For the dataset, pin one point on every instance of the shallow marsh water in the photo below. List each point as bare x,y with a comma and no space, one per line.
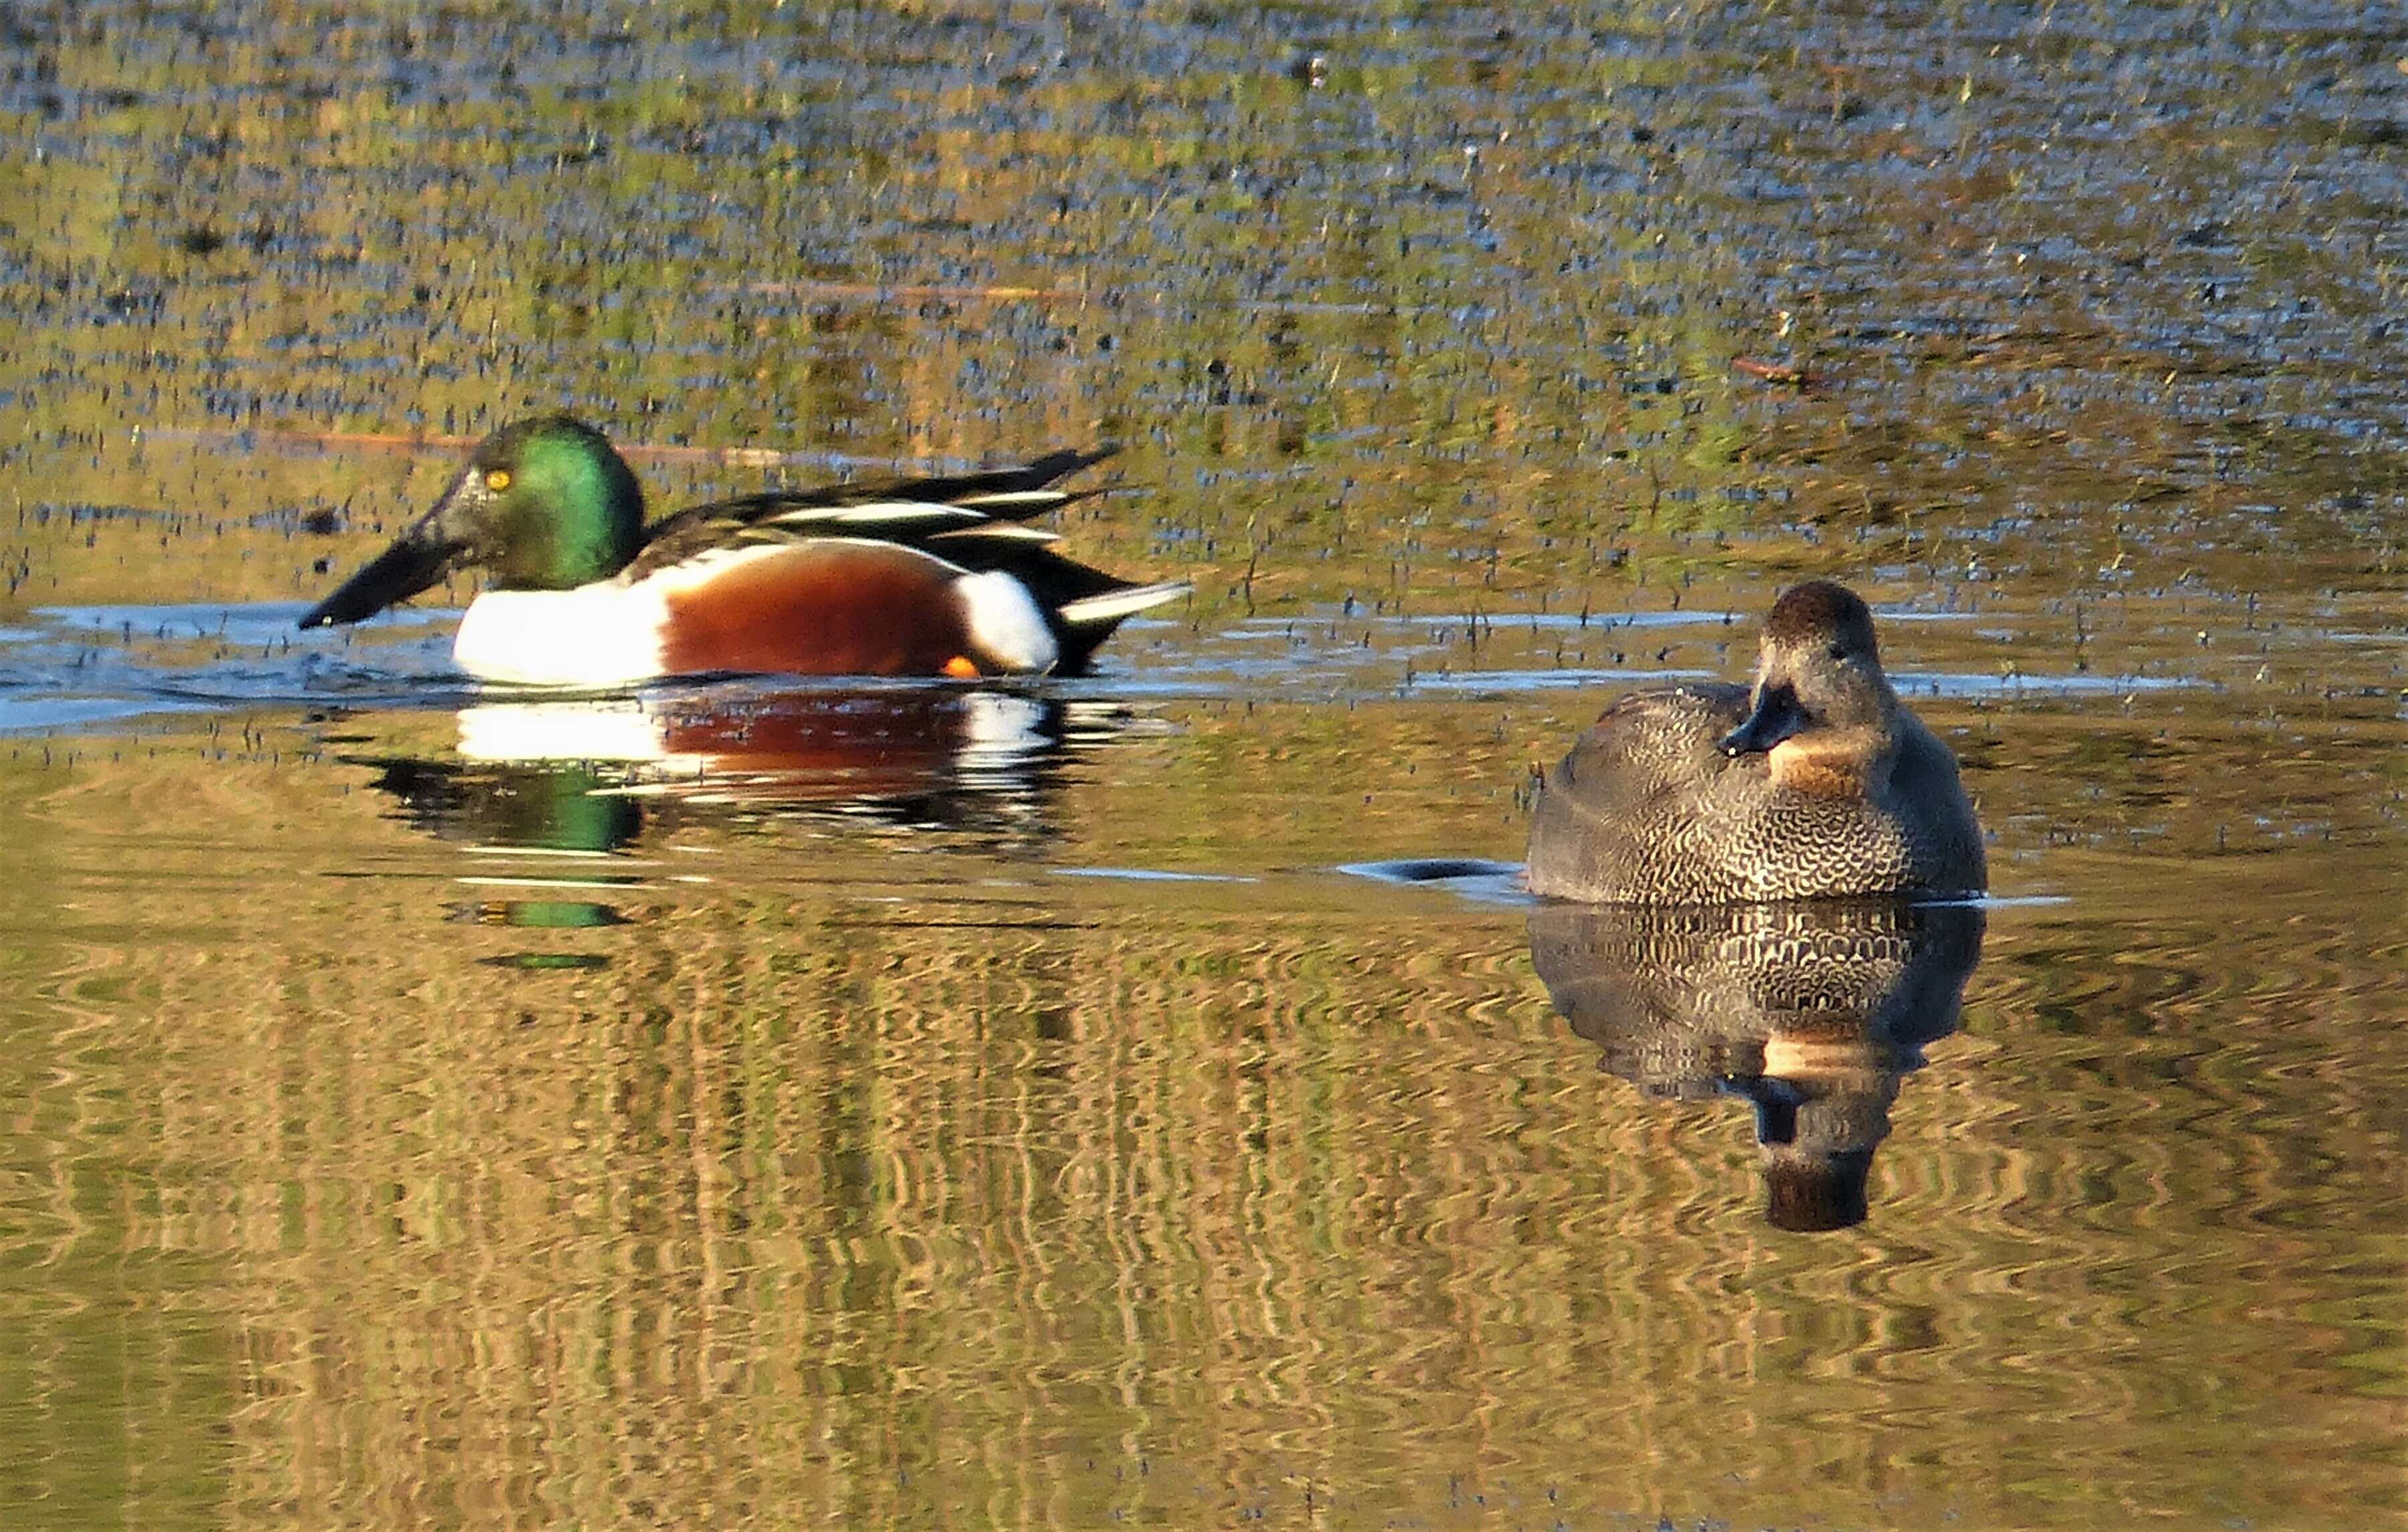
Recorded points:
761,1104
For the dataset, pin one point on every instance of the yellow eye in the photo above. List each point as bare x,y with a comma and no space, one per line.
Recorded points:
497,480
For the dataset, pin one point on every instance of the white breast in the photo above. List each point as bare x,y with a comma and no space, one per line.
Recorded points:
606,634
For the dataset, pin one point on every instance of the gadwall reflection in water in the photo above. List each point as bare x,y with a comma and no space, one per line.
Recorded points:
1813,1012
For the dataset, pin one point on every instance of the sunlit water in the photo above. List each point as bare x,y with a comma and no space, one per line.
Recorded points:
1149,1098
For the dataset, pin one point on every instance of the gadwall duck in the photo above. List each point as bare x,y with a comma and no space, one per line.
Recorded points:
1814,781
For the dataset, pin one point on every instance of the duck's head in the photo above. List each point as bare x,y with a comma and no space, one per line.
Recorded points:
1818,680
543,505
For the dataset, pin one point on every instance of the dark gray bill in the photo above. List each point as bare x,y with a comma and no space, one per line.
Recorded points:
415,561
1777,716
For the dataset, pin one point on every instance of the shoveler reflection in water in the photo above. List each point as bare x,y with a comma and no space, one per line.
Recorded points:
900,577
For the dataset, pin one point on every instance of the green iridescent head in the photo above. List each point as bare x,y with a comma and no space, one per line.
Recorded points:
543,505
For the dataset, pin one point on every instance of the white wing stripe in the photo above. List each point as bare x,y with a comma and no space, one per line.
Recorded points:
879,513
1114,605
1001,531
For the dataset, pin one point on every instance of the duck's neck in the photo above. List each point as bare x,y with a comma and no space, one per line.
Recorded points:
1846,762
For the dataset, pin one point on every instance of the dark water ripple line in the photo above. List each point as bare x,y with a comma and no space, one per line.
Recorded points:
146,662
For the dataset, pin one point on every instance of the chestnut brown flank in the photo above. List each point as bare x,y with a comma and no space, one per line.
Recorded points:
822,609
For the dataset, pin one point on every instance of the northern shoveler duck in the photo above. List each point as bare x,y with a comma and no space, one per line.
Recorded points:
1813,781
902,576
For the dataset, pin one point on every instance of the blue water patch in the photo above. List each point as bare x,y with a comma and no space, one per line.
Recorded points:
1359,619
82,667
1569,678
254,623
2083,684
1473,878
1149,875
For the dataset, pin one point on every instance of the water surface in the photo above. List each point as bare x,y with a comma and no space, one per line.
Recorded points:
761,1103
